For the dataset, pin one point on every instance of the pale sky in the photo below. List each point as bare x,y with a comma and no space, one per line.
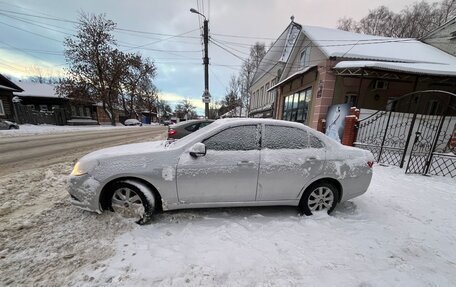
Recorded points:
28,42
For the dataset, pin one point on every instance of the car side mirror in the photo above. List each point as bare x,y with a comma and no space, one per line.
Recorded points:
197,150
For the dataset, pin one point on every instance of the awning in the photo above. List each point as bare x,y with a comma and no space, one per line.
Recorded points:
292,77
411,68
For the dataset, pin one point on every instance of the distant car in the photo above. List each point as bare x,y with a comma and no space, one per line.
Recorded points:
182,129
132,122
7,125
232,162
167,123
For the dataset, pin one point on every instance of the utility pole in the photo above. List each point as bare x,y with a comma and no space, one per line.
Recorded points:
206,93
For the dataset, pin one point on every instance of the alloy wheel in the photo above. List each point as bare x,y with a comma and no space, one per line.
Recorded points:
127,203
320,198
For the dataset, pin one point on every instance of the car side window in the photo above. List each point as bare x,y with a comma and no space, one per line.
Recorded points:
202,125
192,128
235,138
280,137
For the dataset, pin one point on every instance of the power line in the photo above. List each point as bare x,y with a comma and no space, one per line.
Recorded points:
36,34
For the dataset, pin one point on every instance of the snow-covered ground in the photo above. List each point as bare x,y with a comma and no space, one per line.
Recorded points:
28,129
402,232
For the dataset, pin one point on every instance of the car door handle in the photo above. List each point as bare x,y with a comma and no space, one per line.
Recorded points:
246,163
312,158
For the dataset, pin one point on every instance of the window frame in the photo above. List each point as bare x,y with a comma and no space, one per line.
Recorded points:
2,109
304,58
292,107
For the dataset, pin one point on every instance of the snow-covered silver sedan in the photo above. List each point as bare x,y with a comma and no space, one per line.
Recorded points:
232,162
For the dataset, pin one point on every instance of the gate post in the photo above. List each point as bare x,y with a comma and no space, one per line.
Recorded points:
434,144
350,127
412,123
384,137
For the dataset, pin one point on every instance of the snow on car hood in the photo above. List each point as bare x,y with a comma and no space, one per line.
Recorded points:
129,149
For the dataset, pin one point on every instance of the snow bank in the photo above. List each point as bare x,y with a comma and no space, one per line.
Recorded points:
28,129
400,233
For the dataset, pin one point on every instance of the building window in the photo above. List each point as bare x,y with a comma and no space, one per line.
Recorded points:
267,101
296,106
305,58
352,99
262,97
2,110
380,85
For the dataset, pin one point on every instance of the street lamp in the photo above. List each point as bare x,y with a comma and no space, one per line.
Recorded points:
206,94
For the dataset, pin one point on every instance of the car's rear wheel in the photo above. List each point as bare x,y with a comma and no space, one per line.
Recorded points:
319,197
133,200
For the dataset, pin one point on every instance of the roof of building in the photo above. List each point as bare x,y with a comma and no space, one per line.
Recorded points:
412,68
8,85
343,44
280,50
37,90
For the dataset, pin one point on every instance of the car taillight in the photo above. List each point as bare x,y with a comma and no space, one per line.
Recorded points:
171,132
370,164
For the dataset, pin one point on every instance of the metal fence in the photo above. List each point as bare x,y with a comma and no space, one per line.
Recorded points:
418,129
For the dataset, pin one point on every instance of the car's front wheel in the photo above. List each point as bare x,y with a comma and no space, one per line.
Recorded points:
318,197
133,200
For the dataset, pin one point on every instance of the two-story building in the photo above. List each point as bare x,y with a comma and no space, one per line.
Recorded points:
329,66
269,72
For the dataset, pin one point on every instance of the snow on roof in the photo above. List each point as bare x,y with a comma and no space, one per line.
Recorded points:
37,90
338,43
415,68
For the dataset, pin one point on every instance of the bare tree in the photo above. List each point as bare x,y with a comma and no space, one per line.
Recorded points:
347,24
248,70
149,100
95,63
140,73
414,21
231,100
185,109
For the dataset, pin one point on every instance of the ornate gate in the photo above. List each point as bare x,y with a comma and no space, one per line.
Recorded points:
418,128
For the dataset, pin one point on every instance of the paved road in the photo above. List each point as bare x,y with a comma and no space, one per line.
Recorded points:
26,152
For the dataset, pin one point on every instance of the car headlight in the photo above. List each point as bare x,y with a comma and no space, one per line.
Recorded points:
81,168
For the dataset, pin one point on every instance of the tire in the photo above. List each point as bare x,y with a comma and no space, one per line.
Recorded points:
134,200
319,196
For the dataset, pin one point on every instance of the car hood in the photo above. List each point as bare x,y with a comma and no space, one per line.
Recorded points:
126,150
